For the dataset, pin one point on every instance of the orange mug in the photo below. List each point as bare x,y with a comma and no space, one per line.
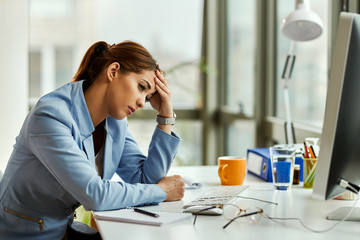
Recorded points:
232,170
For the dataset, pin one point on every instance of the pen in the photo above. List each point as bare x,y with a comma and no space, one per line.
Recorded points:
312,151
146,212
306,154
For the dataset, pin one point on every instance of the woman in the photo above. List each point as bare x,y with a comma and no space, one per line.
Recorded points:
77,137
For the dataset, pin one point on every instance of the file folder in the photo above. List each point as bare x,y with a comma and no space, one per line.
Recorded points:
258,163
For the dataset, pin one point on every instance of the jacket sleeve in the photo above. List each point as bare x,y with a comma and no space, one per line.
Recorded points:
51,139
135,167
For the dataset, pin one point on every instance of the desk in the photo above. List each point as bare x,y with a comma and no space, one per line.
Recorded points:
297,202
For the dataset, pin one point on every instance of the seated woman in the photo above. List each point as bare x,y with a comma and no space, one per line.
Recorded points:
75,139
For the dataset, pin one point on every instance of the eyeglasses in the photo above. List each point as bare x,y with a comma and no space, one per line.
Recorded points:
233,212
252,214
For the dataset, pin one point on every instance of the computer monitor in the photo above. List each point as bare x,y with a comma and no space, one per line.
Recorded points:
339,156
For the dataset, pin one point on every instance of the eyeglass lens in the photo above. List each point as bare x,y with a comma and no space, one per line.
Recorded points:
232,211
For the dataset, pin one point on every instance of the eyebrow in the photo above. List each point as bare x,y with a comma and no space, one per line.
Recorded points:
147,82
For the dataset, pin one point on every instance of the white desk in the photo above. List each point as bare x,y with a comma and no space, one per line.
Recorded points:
297,202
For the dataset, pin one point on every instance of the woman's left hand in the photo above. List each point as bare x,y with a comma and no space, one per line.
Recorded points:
161,100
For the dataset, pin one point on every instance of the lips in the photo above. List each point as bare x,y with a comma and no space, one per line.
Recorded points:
131,110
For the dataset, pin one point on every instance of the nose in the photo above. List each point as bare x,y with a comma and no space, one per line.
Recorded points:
141,102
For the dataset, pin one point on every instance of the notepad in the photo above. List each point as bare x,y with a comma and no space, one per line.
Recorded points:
130,216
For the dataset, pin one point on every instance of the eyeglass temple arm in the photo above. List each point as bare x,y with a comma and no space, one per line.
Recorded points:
205,209
258,200
240,216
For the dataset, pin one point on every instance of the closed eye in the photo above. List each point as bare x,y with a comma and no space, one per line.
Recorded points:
141,87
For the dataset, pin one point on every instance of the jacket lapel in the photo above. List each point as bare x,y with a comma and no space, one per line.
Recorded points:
83,119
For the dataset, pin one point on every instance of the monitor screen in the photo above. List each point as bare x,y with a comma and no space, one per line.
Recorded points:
339,156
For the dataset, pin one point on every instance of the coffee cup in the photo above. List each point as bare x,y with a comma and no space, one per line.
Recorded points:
232,170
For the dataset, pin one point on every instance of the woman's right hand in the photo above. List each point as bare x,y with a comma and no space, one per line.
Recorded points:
161,99
173,186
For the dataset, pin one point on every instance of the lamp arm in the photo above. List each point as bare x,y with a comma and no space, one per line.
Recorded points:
289,64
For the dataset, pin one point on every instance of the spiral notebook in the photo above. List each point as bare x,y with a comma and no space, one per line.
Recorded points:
130,216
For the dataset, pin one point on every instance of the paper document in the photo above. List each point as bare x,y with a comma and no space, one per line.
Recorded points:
130,216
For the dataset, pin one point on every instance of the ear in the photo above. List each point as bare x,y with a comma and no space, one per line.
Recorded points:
112,71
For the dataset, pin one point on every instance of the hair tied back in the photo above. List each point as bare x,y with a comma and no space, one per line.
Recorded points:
99,49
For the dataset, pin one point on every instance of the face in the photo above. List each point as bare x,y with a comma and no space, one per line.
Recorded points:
127,93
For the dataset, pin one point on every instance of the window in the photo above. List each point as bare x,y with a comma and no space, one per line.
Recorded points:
63,65
241,26
189,152
34,76
240,74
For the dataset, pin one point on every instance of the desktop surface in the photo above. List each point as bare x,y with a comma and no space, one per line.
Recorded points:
297,202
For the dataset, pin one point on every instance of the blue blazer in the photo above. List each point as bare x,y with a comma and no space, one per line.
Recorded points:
52,168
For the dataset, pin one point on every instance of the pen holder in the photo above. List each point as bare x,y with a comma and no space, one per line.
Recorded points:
309,168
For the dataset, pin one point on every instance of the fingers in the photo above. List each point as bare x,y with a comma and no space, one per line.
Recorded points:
160,76
173,186
162,88
159,69
161,85
162,103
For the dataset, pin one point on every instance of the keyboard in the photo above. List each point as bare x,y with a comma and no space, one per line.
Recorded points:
217,196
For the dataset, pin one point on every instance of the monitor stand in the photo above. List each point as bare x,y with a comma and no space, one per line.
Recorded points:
340,213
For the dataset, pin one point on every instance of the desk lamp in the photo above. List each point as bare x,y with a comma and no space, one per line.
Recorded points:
301,25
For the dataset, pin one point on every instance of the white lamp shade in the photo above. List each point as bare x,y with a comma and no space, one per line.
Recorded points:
302,24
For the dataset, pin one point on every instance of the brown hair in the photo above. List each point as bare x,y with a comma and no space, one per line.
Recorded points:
131,56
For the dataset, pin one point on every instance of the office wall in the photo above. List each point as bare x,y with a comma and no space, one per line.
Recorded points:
13,73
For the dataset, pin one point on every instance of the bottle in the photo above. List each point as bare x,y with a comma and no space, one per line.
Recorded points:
296,179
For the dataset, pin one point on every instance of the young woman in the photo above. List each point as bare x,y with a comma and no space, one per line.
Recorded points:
77,137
